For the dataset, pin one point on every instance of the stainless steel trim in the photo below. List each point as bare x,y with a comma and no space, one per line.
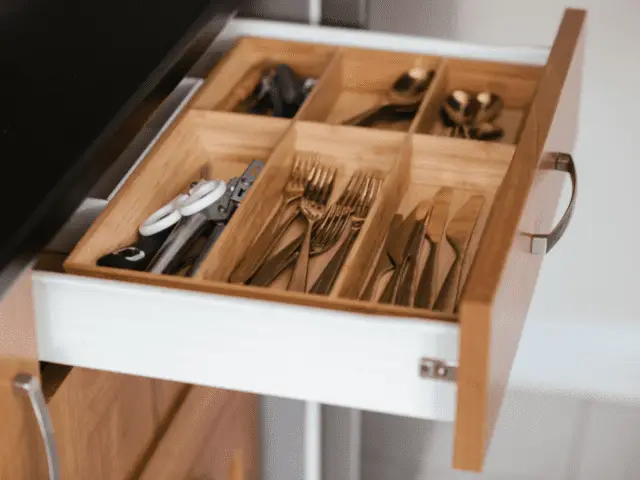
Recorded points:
30,386
542,243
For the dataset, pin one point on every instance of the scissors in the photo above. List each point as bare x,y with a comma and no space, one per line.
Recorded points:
155,230
198,218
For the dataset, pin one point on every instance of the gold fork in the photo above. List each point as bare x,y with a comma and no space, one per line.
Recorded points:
294,189
324,236
313,205
366,197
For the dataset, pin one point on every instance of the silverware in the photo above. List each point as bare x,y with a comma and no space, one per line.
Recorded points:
470,115
366,196
384,264
313,205
459,232
325,236
398,249
403,99
433,233
404,296
303,167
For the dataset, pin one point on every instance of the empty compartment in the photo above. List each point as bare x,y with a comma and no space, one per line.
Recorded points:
348,150
361,80
468,169
514,85
231,86
201,145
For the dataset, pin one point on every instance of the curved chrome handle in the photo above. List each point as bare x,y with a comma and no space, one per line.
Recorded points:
29,385
542,243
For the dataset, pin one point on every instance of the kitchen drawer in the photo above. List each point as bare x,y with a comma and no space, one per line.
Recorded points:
339,350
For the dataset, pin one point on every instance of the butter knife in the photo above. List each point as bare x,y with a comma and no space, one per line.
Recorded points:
407,277
459,233
399,249
384,263
433,233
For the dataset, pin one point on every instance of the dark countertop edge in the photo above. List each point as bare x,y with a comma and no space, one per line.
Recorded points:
67,195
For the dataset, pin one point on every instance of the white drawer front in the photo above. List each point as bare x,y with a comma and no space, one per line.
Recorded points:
366,362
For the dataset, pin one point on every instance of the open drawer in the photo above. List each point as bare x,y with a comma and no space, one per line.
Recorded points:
338,349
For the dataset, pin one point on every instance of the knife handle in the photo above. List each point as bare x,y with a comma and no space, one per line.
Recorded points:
273,267
403,297
263,245
382,267
389,293
425,284
445,302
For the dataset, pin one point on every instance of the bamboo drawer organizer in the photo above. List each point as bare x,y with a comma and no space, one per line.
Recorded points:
412,157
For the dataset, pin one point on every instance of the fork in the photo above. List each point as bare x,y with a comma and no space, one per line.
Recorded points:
313,205
366,197
324,236
302,169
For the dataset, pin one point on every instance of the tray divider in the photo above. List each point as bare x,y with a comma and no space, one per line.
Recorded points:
356,269
430,106
325,94
254,213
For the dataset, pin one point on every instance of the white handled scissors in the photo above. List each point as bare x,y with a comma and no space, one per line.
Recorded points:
200,196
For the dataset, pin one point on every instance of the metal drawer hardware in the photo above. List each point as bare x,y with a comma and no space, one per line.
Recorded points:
29,385
543,243
438,369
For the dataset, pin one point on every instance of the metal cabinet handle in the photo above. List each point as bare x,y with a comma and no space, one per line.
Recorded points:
543,243
29,386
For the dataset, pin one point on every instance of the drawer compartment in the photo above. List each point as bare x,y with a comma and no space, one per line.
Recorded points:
236,77
345,351
360,79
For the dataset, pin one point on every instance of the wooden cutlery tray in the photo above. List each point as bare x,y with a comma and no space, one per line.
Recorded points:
412,157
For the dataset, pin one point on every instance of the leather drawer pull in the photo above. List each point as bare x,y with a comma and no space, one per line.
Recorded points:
29,386
543,243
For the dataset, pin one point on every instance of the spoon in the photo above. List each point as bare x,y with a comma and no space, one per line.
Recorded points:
404,97
485,131
458,110
490,106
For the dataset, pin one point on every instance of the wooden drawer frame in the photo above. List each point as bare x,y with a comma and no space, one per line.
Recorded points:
380,374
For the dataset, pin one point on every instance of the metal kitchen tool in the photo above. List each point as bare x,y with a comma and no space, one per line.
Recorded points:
384,263
313,206
403,100
404,295
459,233
192,226
433,233
400,248
257,254
366,196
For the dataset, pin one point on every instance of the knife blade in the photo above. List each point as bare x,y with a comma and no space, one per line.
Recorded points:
401,247
433,232
384,263
459,233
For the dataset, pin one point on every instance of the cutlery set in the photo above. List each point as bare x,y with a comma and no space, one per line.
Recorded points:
176,239
280,92
306,196
425,227
402,101
471,115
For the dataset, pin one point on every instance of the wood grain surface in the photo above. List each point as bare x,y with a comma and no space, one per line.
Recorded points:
503,277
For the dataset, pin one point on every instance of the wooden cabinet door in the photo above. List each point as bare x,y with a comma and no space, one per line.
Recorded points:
22,455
